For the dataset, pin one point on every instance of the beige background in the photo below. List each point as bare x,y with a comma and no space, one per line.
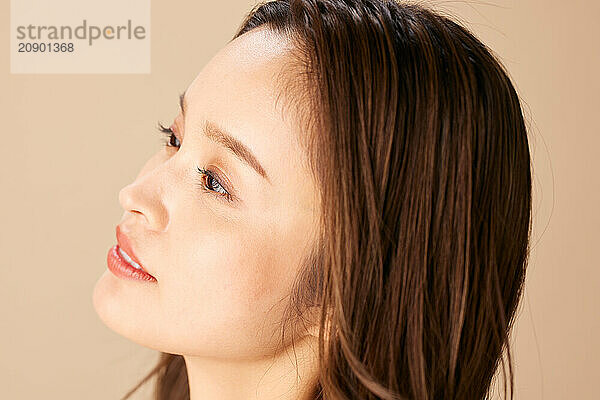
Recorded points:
70,142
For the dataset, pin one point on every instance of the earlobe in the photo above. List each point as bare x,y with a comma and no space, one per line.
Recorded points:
313,330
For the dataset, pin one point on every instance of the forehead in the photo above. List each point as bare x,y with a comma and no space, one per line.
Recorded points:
240,89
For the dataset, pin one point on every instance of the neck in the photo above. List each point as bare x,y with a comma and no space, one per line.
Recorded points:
278,376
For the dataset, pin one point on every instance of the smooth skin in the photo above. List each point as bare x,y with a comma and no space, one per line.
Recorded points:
224,269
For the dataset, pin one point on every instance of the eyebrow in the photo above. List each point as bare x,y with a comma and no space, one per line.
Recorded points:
212,131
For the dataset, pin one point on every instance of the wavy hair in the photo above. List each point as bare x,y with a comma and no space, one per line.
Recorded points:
417,140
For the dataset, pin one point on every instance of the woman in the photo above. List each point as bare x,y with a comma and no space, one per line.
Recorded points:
341,211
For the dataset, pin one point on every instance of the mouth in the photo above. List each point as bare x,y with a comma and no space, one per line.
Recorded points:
130,260
122,266
124,251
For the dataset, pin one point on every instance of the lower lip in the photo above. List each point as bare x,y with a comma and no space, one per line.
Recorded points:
122,269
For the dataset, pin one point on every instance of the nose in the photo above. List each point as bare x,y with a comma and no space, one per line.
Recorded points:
144,198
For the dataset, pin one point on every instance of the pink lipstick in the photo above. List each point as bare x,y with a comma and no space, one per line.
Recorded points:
123,262
122,268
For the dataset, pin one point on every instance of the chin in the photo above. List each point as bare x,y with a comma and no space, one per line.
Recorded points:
118,305
106,301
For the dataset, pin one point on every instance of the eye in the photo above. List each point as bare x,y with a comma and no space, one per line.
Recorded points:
209,180
210,183
171,139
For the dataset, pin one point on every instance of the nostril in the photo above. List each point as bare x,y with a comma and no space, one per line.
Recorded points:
142,215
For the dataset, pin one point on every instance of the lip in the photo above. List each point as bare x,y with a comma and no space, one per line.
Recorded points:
122,269
125,244
120,266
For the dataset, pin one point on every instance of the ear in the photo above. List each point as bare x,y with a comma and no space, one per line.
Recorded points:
313,330
310,321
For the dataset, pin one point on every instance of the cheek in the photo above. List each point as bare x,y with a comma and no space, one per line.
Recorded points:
257,275
249,277
225,288
241,262
239,267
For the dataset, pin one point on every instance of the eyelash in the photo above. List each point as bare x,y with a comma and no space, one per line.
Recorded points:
205,174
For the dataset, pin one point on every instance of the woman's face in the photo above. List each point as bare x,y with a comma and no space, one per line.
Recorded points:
223,265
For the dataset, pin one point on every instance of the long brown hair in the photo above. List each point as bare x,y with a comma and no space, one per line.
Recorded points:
416,138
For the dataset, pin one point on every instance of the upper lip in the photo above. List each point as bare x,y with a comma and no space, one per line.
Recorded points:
125,244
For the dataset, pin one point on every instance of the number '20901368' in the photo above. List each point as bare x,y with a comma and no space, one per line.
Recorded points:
26,47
